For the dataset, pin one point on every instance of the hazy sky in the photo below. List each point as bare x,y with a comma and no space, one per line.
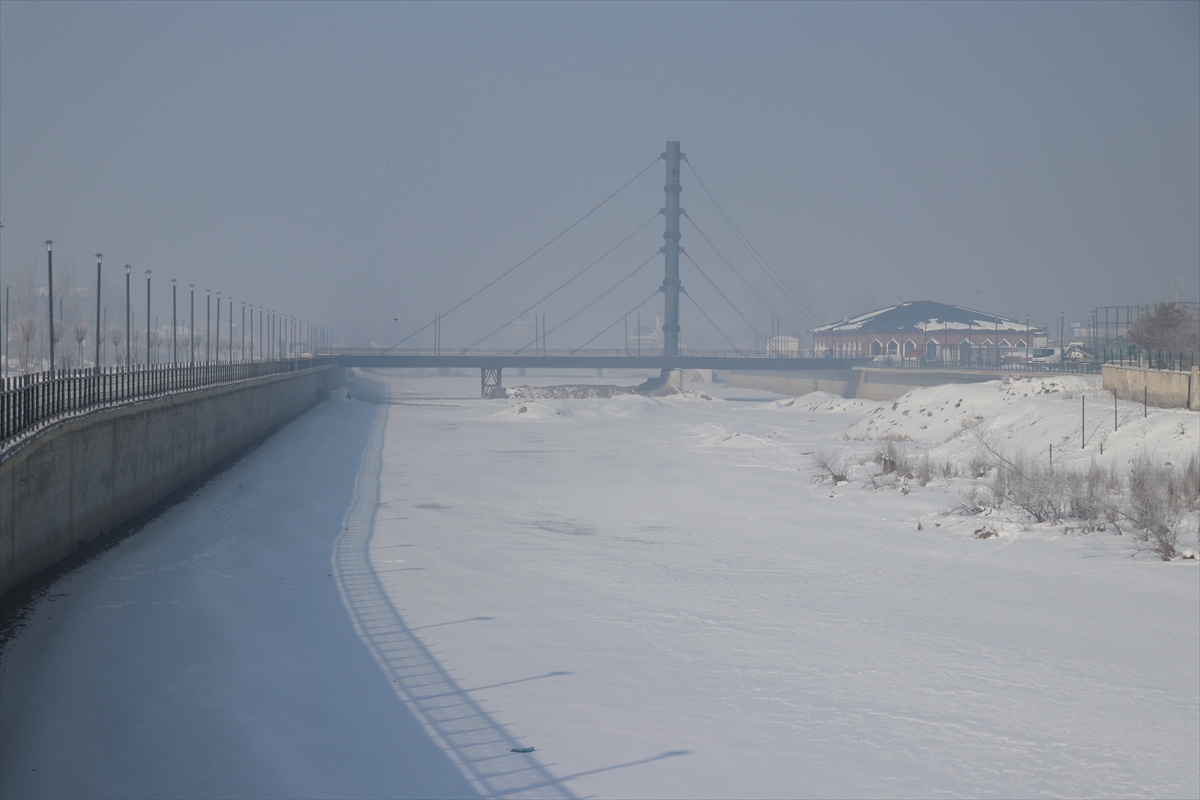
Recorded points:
356,163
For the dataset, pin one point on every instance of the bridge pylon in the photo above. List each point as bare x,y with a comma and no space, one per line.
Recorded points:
671,250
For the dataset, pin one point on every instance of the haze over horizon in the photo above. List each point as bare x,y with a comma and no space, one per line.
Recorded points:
364,166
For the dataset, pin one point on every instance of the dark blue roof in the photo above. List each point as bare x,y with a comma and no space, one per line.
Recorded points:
923,315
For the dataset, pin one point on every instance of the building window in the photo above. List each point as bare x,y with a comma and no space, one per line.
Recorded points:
909,347
876,348
893,348
931,350
964,351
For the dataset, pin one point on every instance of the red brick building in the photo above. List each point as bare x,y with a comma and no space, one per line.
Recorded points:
927,331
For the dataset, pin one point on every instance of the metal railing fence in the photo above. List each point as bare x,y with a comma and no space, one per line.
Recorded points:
1174,360
33,401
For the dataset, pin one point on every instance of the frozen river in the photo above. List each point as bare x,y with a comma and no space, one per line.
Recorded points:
386,598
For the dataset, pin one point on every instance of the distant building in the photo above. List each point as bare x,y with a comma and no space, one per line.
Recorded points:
927,331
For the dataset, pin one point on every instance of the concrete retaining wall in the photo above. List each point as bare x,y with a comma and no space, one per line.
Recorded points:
869,383
790,383
91,474
889,384
1161,388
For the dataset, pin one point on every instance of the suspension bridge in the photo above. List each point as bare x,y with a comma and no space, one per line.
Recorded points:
670,356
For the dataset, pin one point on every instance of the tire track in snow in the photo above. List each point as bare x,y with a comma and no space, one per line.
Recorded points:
470,737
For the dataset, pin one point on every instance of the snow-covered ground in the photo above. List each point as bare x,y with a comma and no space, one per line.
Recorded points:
386,598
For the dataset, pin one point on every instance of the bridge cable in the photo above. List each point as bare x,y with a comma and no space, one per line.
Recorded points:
562,285
610,327
744,282
511,269
593,302
725,297
775,277
737,274
736,349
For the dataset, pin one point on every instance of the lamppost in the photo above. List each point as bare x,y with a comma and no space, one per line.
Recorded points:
128,322
99,259
192,325
217,347
207,318
50,271
242,355
260,332
174,326
231,329
147,318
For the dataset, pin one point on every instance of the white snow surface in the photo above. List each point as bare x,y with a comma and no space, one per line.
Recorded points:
385,598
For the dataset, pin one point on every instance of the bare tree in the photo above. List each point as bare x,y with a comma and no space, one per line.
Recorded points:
1168,327
28,329
80,331
116,336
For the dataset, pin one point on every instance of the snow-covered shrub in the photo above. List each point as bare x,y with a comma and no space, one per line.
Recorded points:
1152,509
830,465
979,465
925,470
893,457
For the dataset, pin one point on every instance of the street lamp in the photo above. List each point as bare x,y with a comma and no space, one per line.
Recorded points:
50,271
192,325
174,339
217,347
128,322
147,318
242,355
231,329
207,318
99,259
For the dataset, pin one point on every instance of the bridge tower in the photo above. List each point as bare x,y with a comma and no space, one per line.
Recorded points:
671,251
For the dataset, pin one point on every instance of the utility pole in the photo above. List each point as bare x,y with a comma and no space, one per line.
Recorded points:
671,250
192,325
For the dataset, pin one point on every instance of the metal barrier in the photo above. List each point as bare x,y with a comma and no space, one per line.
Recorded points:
34,401
1173,360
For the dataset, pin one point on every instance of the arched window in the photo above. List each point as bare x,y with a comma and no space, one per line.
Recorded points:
931,350
876,348
964,351
893,348
909,347
1021,344
1005,343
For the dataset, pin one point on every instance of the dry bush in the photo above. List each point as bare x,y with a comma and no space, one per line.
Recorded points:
830,465
925,470
1151,510
979,465
893,457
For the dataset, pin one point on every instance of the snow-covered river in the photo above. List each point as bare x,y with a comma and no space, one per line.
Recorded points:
386,598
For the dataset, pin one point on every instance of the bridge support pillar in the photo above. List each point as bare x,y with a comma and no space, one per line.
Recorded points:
490,384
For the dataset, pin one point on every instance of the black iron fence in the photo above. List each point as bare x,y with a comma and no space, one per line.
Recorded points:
1180,360
34,401
1070,367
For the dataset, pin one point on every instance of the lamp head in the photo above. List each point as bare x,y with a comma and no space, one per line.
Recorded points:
127,268
49,245
173,282
99,257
